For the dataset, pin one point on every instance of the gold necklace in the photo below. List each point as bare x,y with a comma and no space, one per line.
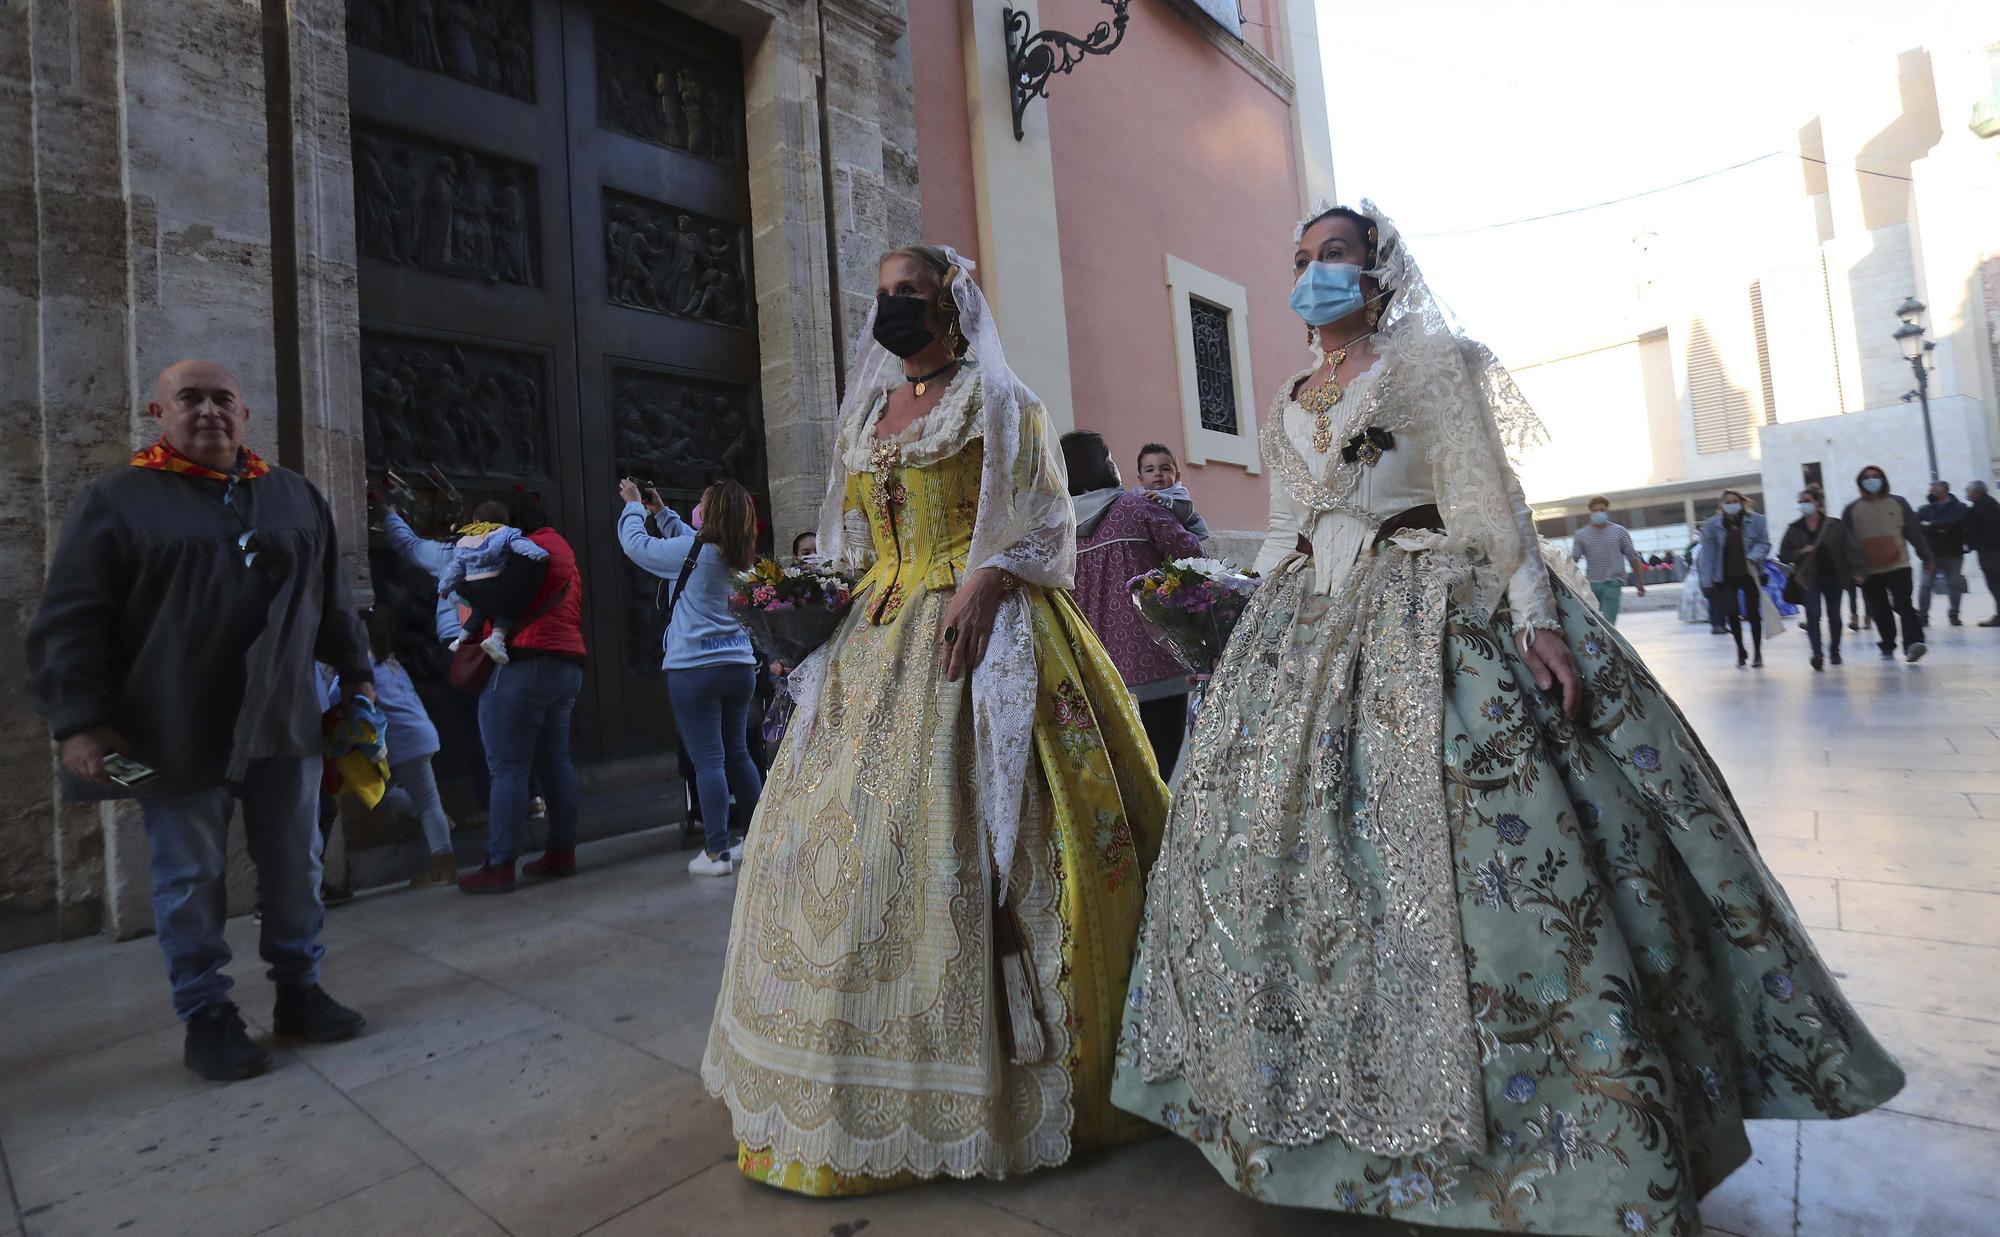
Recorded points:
1319,400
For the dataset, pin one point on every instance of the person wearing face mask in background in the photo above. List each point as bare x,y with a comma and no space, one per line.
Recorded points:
1734,544
1943,518
1884,523
1824,557
1604,548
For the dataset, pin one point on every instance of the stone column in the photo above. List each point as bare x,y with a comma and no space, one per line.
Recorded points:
831,123
317,311
134,229
66,342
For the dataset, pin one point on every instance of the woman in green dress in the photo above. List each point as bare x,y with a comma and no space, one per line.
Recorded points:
940,894
1455,920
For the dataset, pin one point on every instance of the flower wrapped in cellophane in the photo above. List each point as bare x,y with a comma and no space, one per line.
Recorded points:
1193,604
790,611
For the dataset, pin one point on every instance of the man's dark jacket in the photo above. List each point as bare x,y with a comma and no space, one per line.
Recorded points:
152,624
1982,524
1944,526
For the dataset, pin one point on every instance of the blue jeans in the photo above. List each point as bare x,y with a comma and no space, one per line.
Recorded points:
189,837
524,720
712,711
1824,598
413,791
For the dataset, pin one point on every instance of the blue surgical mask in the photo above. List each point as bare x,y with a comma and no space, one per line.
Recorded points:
1732,508
1327,292
1600,517
1806,508
1872,484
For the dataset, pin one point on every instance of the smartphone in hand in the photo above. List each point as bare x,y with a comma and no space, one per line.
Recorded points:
126,771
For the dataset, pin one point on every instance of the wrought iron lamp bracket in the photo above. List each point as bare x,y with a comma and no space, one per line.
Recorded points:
1032,59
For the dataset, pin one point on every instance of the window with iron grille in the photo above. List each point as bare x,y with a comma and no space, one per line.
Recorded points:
1215,371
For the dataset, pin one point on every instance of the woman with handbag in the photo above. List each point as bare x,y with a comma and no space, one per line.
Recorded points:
1824,558
1734,545
711,668
524,712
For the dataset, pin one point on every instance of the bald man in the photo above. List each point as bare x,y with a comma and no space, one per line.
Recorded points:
189,596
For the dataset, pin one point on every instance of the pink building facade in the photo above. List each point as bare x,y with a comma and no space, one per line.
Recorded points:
1137,241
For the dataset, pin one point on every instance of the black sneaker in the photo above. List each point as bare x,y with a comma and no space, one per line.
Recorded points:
1955,622
218,1048
306,1012
1917,651
1835,659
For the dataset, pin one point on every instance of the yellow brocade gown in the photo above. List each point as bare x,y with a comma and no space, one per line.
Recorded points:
861,1036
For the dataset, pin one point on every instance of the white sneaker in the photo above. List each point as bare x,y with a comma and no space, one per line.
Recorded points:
706,864
495,647
458,643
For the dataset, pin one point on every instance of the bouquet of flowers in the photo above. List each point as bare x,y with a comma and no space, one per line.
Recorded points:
790,611
1193,604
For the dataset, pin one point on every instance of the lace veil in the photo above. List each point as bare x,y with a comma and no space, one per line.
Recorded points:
1477,418
1025,526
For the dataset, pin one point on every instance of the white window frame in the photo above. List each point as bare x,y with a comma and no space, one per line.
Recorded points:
1207,446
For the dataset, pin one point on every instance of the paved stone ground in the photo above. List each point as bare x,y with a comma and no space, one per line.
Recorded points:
529,1066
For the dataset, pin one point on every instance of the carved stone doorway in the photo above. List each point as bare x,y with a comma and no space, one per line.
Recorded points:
551,212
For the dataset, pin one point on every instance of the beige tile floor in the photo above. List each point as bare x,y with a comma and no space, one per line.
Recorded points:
529,1064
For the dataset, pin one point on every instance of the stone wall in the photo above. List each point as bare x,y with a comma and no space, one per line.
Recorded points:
175,180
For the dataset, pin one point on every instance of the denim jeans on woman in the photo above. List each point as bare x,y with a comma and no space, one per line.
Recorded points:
712,711
189,836
413,791
524,721
1826,598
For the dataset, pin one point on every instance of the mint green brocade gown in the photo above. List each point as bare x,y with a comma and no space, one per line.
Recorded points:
1419,946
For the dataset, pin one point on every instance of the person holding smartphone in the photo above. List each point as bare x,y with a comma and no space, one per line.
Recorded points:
173,656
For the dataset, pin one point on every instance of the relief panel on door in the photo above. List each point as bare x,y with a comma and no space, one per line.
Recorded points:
666,260
466,410
419,202
486,43
662,95
682,434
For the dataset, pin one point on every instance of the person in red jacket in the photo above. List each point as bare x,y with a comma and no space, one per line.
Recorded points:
524,714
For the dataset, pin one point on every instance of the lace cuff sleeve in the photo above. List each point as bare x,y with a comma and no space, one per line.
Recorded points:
1529,594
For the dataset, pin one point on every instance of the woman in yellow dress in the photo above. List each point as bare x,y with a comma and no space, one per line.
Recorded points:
941,891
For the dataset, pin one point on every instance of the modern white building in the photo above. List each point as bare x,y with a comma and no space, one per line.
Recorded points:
1748,341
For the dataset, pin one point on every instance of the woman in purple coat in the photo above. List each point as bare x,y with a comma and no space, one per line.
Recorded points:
1120,534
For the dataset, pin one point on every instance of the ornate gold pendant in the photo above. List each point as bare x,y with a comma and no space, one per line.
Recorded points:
1320,400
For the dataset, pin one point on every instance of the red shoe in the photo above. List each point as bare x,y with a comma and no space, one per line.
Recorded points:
488,879
555,861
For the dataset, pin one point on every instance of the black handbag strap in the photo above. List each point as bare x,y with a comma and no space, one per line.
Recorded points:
673,598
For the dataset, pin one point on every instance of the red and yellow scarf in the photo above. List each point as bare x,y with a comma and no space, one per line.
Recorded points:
164,458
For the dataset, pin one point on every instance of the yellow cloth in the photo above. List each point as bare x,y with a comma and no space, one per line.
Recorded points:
858,1034
366,778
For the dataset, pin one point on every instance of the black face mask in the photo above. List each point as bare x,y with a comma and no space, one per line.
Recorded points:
899,324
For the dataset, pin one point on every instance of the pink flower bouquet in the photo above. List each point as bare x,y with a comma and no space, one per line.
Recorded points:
790,611
1193,604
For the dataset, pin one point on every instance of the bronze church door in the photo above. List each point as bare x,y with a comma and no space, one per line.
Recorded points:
552,211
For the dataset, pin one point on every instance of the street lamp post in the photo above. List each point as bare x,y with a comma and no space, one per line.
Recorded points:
1910,337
